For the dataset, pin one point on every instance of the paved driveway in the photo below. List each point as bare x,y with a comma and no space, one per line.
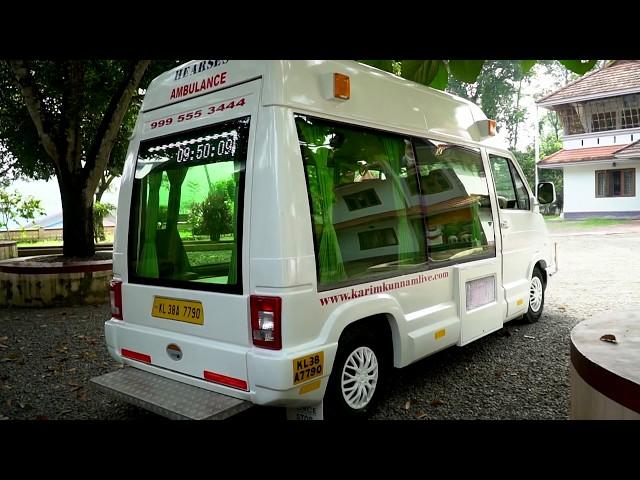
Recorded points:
598,272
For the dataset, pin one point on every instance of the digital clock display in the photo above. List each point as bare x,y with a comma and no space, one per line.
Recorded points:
222,142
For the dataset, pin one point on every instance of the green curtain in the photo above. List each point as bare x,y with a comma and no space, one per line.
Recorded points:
148,266
476,227
329,256
176,178
232,277
394,150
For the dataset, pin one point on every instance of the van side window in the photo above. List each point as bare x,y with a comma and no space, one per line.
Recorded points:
455,197
364,224
510,189
521,191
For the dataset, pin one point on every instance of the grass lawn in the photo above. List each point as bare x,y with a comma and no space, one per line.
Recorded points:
557,222
54,243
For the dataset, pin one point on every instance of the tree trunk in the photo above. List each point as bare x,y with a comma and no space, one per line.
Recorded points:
515,129
103,186
77,218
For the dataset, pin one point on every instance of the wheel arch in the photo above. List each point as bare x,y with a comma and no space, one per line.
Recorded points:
541,264
384,316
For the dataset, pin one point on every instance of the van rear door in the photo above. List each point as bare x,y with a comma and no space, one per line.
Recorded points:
185,251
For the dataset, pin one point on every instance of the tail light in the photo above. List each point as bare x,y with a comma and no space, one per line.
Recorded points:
265,322
115,296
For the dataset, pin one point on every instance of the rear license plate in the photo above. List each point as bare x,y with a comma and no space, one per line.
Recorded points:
181,310
308,367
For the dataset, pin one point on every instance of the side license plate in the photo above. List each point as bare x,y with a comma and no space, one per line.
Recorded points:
308,367
181,310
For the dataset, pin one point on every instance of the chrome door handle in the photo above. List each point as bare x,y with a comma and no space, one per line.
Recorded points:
505,223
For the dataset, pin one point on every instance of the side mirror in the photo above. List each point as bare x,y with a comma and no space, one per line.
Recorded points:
546,193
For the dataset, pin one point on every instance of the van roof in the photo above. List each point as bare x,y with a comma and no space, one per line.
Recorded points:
378,98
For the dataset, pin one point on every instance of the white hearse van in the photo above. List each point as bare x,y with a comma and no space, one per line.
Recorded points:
288,231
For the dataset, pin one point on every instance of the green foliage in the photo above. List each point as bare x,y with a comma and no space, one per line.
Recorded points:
435,73
466,70
386,65
441,79
527,65
101,80
579,66
420,71
71,119
497,91
13,207
214,216
100,210
548,145
526,160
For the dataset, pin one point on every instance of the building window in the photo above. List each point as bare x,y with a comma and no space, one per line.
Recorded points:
616,183
614,113
603,121
363,199
385,237
570,119
630,118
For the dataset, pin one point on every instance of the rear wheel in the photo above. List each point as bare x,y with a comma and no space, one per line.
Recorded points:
358,376
536,297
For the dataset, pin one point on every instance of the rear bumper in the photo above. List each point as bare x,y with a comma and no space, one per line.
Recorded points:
269,374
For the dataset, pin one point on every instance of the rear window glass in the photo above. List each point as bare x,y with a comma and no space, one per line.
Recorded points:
187,207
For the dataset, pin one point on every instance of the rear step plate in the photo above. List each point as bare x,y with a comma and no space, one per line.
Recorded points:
166,397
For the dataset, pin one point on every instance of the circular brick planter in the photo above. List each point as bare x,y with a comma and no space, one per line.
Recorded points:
34,282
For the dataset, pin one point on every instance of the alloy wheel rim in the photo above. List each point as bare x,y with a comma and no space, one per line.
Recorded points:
359,377
535,294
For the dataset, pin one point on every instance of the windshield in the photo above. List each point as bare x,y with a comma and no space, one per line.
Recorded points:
187,208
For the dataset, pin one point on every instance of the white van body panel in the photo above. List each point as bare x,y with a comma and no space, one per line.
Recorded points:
425,310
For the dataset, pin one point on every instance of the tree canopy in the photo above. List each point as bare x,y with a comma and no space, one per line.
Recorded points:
71,119
436,73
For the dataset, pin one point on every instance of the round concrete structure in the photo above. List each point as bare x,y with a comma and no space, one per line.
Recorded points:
34,282
8,249
605,375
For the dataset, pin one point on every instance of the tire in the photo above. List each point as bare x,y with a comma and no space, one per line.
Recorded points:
536,297
343,398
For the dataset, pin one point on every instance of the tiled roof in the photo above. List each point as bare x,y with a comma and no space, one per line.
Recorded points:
581,155
633,149
621,75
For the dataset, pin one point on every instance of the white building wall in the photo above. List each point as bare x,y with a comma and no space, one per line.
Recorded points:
601,139
580,190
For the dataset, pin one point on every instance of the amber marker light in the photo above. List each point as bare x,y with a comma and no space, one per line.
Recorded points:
492,127
341,86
